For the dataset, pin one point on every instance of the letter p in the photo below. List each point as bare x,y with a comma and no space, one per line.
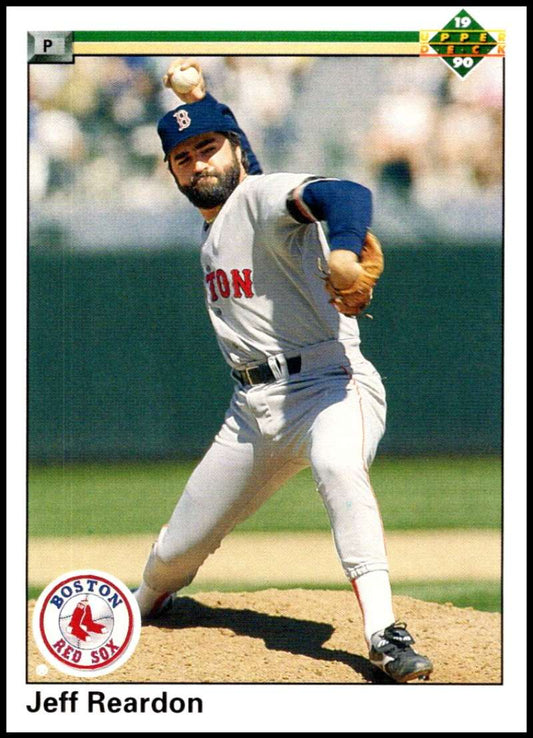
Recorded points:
50,47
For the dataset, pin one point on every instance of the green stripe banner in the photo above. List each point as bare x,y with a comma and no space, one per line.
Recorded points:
236,36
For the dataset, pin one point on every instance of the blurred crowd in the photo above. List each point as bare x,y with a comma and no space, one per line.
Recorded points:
408,127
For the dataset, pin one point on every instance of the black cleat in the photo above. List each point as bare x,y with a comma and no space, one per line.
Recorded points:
390,651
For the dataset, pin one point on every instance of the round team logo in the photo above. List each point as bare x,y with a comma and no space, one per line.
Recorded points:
86,623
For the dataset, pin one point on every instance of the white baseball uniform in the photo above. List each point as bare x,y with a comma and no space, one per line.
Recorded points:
267,304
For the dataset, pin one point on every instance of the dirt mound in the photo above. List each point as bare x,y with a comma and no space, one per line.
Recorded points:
295,636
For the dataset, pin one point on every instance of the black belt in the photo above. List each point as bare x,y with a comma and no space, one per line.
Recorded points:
263,374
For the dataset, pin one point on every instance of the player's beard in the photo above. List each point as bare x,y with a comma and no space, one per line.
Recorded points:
207,191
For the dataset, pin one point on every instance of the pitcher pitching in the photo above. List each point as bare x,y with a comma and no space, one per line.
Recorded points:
283,301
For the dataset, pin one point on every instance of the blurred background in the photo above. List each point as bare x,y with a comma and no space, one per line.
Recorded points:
427,142
125,379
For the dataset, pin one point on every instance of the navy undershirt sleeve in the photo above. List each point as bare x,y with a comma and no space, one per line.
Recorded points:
345,206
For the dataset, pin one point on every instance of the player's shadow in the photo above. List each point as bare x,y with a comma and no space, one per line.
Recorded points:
279,633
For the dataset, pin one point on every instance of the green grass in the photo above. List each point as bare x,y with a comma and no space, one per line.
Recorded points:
122,498
483,595
479,595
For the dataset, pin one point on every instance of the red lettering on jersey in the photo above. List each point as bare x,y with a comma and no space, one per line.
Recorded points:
210,278
243,282
223,283
220,286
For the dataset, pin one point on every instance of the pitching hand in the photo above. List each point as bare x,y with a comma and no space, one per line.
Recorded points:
198,92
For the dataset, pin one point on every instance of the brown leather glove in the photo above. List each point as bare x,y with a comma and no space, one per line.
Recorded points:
355,298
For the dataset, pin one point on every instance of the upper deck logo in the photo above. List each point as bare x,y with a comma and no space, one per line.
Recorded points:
86,623
463,43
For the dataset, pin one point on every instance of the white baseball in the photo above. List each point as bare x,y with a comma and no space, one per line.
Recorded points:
184,80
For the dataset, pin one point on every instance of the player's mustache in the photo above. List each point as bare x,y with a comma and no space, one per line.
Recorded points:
201,175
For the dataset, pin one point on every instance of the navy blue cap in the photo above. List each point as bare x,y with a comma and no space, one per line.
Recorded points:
191,119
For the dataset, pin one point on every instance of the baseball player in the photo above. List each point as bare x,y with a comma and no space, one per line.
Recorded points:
282,299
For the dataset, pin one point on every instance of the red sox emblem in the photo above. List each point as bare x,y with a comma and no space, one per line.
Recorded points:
82,623
182,119
86,623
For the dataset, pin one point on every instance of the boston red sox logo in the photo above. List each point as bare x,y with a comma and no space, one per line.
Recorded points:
86,623
182,119
82,624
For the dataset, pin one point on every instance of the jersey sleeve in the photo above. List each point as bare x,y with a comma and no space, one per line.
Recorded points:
268,198
276,230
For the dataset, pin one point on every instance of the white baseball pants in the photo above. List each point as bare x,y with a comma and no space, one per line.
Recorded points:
330,416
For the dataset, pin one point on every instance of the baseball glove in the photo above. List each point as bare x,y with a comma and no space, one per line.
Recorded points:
355,298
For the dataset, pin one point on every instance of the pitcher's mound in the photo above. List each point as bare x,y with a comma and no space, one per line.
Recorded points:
296,636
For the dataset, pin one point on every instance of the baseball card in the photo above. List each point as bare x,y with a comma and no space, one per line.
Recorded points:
265,405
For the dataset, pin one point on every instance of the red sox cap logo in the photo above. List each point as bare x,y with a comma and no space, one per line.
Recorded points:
86,623
182,119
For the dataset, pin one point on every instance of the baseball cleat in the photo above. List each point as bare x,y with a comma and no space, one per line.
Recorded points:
390,651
